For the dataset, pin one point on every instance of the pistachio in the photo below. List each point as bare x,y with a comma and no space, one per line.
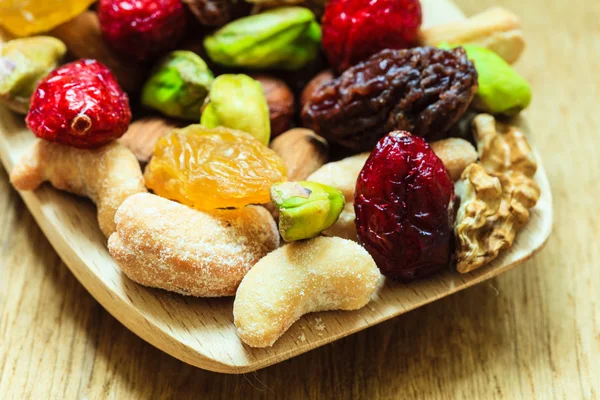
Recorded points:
283,38
280,100
238,102
305,208
23,62
501,89
178,85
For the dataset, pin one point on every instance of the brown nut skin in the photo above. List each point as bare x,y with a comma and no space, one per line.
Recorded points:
83,39
302,151
143,134
280,100
320,79
456,154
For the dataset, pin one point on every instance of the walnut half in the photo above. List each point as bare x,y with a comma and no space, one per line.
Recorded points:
496,193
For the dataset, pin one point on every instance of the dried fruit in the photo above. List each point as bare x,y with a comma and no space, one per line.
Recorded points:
143,133
314,84
284,38
217,12
83,38
280,100
316,6
142,29
213,168
179,85
424,90
353,30
403,204
23,62
79,104
305,208
238,102
24,18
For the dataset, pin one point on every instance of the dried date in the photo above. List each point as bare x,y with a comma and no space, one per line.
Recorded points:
423,90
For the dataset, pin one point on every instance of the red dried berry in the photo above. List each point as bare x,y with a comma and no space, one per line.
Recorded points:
353,30
79,104
403,203
142,29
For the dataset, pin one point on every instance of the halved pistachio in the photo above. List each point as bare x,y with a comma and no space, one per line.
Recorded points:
305,208
23,62
283,38
238,102
179,85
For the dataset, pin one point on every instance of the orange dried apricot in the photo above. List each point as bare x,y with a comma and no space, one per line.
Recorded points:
213,168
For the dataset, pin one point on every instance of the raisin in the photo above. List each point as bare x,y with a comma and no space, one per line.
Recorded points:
423,90
217,12
404,208
213,168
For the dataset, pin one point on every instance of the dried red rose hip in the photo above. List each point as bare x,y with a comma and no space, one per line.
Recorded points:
353,30
79,104
403,203
424,90
142,29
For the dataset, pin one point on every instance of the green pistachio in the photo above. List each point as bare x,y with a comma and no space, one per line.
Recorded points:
23,62
501,89
238,102
305,208
283,38
178,85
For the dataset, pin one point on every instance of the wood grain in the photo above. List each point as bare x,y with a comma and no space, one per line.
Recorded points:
532,333
201,331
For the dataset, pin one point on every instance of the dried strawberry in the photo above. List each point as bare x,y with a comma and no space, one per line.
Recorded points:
142,29
353,30
79,104
403,203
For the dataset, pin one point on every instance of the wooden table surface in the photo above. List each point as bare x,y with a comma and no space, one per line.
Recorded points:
534,332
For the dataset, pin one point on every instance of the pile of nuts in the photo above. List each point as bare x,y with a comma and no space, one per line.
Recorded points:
262,122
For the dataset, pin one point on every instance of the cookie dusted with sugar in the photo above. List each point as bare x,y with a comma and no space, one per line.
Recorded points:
164,244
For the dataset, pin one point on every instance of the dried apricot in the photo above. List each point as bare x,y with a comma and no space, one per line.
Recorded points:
213,168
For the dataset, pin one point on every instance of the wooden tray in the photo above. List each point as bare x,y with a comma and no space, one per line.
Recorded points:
200,331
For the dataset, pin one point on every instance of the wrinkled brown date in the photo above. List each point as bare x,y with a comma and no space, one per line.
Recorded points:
217,12
423,90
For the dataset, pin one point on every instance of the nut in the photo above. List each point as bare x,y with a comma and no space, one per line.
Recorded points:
496,29
107,175
248,112
280,100
344,227
302,151
23,62
285,38
456,154
496,193
301,277
501,89
305,208
83,38
316,6
315,83
161,243
341,175
142,135
178,85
